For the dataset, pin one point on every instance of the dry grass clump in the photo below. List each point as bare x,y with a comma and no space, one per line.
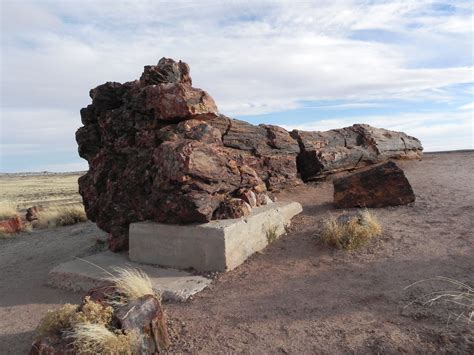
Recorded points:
60,216
93,313
352,233
458,294
132,283
54,322
97,339
7,210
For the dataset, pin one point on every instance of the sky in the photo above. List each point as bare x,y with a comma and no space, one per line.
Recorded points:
311,65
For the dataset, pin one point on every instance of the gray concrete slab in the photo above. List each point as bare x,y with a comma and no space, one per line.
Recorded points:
80,275
215,246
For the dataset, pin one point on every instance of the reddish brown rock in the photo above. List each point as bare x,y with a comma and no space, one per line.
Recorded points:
158,150
377,186
145,315
12,225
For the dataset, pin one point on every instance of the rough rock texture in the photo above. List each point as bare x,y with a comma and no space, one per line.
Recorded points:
323,153
159,150
145,315
52,345
377,186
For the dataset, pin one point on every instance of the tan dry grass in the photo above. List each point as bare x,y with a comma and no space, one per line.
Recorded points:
352,234
7,210
458,294
132,283
97,339
56,321
60,216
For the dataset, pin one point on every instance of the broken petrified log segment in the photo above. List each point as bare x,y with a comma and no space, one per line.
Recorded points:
377,186
145,315
324,153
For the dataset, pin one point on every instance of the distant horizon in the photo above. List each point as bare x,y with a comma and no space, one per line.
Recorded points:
401,65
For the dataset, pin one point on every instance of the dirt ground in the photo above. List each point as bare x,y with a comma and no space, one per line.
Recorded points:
298,296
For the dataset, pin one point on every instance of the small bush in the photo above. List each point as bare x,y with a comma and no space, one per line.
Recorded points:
272,234
60,216
352,233
54,322
97,339
93,313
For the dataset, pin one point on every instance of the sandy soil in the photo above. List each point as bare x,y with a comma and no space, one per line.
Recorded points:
298,296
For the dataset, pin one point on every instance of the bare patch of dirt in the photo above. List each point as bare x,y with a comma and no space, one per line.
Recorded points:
298,296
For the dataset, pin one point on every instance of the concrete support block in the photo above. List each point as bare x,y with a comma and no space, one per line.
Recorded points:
215,246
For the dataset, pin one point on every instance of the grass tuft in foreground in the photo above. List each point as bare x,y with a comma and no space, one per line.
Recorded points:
456,293
132,283
90,338
352,233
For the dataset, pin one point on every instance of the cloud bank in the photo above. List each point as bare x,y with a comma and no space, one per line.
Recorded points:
327,63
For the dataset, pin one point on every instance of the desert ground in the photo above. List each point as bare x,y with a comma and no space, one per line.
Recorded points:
26,190
298,295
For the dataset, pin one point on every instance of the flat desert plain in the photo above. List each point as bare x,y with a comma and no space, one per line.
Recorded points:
298,295
26,190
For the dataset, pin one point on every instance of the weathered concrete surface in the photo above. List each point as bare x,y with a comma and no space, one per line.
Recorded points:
214,246
83,274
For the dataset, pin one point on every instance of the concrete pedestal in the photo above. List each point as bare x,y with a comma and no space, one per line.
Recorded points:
215,246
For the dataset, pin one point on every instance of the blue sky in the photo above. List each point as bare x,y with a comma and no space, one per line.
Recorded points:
315,65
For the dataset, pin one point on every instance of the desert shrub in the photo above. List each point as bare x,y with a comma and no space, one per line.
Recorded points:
7,210
97,339
93,312
453,293
131,283
352,233
60,216
56,321
272,234
69,315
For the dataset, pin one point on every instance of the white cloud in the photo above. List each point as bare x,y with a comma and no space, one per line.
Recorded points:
252,57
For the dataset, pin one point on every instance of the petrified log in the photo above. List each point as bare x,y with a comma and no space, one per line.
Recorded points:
158,149
348,148
145,315
376,186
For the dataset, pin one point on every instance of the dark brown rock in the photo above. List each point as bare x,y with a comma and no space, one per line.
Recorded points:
324,153
52,345
32,214
377,186
145,315
166,71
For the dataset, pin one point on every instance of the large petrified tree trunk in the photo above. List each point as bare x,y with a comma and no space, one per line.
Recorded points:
158,149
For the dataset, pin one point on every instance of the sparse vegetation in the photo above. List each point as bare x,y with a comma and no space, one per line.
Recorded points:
90,338
60,216
7,210
272,234
352,233
54,322
458,294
